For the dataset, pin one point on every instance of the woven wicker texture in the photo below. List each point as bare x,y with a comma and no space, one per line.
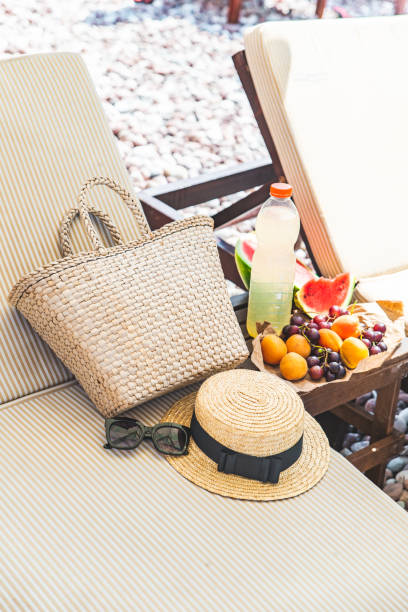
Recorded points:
135,321
257,414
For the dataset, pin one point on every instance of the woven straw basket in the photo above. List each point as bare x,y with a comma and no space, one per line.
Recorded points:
135,320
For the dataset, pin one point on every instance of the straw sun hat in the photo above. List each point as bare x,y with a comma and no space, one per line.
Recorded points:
241,413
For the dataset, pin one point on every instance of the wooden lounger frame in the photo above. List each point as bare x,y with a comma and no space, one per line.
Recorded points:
162,205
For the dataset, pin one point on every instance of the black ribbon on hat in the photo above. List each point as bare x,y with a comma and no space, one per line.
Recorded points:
264,469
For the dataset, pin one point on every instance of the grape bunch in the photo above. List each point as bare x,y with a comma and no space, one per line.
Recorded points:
326,362
322,362
373,338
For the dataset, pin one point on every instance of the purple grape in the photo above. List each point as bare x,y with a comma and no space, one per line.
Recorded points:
312,325
319,319
318,351
312,361
377,336
343,311
334,367
380,327
374,350
367,342
333,356
312,335
342,372
297,319
382,346
316,372
325,325
330,376
285,331
293,330
334,311
368,334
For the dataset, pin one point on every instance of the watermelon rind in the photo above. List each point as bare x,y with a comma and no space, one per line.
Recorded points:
243,264
244,267
301,303
300,265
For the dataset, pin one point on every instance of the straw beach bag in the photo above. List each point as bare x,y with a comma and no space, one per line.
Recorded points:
135,320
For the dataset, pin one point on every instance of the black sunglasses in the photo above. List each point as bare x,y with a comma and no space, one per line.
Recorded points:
126,434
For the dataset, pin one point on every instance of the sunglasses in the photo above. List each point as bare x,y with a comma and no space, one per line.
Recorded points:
126,434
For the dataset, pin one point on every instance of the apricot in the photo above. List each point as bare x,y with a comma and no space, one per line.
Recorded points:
293,366
329,339
298,344
273,349
347,326
352,352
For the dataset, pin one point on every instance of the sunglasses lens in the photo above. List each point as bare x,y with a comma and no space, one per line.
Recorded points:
125,434
170,440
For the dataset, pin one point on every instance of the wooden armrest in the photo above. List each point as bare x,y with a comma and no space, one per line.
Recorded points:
197,190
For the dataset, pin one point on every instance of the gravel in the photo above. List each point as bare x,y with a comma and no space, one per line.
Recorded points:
397,467
165,75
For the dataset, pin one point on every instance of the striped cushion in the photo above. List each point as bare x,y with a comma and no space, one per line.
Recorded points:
82,528
54,136
335,96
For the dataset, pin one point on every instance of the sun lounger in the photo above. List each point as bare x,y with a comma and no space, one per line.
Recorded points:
334,103
82,528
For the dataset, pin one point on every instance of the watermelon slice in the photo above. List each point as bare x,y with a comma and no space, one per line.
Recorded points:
316,296
244,252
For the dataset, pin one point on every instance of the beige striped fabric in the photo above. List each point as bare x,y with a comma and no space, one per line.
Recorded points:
86,529
54,136
335,104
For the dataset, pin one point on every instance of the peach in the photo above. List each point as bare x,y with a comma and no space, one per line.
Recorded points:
329,339
347,326
293,366
298,344
273,349
352,352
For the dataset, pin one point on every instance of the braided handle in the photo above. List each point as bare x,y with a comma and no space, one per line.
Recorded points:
129,200
64,232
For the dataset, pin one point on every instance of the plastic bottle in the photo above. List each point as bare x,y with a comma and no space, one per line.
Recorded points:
273,264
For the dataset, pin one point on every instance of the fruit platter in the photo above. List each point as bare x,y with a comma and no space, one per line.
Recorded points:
328,339
325,348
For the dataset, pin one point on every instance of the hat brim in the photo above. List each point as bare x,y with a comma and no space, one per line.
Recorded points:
202,471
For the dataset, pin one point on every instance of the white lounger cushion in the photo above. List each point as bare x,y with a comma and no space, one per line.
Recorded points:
389,287
54,136
88,529
335,97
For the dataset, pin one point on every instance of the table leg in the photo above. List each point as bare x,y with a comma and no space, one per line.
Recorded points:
234,10
320,6
383,423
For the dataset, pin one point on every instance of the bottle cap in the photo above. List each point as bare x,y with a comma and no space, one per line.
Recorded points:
281,190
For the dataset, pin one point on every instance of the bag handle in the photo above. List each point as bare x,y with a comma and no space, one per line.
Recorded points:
130,201
64,232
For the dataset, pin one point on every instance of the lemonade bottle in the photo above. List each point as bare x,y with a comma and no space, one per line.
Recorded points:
273,265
